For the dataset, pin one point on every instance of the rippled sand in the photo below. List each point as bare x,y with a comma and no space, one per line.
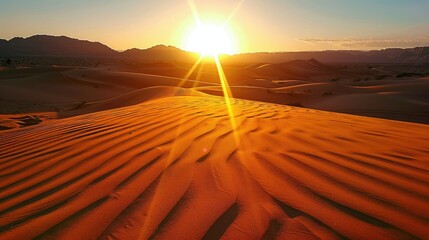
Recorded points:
174,168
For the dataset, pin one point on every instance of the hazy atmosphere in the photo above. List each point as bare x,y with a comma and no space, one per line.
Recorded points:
292,25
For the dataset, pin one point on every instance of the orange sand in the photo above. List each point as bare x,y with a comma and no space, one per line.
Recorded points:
172,168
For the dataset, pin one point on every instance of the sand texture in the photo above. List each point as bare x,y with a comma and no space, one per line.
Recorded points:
174,168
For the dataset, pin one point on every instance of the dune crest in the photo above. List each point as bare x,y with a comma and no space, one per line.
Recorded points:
174,168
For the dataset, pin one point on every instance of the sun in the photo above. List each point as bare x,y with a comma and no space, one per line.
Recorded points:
210,39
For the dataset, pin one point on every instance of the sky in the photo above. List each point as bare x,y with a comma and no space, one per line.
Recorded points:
256,25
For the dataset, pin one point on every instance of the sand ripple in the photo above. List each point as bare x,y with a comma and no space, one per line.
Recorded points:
173,168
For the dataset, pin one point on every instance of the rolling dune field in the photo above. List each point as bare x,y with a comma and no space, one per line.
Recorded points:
184,167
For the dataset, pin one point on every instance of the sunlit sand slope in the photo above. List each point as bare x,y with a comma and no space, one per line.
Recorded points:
173,168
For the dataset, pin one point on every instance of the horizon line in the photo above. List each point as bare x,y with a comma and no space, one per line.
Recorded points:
240,53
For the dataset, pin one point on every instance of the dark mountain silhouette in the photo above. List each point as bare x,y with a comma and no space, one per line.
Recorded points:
390,55
159,53
44,45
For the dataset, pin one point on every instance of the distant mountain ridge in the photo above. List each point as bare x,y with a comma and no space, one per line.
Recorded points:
44,45
159,53
62,46
390,55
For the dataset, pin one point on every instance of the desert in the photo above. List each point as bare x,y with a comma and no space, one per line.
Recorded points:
164,142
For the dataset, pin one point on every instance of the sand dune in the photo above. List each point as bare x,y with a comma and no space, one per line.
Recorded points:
298,69
399,100
50,91
11,121
131,98
359,89
392,105
129,79
173,168
43,90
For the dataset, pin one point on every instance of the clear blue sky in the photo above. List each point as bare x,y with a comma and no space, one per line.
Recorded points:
260,25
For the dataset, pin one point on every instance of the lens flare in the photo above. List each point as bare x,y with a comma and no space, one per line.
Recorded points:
210,39
189,73
227,95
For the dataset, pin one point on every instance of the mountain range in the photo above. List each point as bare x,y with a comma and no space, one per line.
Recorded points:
62,46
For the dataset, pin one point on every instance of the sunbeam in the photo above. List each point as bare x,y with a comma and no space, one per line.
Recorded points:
189,73
227,96
233,12
210,42
199,74
204,52
214,119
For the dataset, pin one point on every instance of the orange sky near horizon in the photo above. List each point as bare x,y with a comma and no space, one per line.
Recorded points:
257,25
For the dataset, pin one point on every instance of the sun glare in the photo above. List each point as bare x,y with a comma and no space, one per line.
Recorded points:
210,39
